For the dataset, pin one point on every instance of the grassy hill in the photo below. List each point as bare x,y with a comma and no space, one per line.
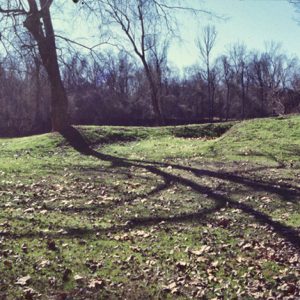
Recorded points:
200,211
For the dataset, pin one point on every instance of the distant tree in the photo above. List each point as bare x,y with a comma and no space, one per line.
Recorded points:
271,72
24,93
36,18
141,25
238,56
205,43
147,26
228,76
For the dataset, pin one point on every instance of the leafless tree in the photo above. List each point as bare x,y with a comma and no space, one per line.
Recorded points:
140,22
228,76
35,16
205,43
147,25
238,56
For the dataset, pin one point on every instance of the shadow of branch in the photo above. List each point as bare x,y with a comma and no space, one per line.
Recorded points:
288,233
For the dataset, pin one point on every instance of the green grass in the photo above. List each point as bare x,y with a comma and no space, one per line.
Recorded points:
270,141
214,215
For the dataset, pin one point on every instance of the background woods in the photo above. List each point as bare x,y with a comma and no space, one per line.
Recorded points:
113,89
205,211
117,86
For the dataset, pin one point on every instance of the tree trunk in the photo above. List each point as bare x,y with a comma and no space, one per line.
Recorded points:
243,95
59,107
44,35
262,101
227,101
159,118
38,97
210,105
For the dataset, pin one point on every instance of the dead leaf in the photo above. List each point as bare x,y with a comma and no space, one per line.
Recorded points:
30,293
96,283
215,264
44,263
23,280
202,250
78,278
171,286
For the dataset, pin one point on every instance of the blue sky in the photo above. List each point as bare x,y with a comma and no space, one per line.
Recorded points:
253,22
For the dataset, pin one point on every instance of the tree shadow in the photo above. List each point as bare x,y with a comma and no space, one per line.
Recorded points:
220,200
101,209
287,191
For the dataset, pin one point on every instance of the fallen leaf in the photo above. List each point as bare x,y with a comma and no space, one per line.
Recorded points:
199,252
23,280
96,283
44,263
78,278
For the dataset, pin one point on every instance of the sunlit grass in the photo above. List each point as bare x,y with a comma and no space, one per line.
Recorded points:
138,234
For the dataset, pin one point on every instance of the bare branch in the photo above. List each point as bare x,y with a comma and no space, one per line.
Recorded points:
193,10
80,44
14,12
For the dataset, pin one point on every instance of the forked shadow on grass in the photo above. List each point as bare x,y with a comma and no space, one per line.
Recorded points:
101,209
291,235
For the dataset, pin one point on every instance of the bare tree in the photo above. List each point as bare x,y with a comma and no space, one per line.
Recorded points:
141,22
228,76
24,91
146,26
238,56
36,18
205,44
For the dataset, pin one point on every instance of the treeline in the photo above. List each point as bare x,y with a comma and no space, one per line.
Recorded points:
112,88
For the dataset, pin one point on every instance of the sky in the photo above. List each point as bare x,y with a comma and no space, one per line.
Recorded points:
253,22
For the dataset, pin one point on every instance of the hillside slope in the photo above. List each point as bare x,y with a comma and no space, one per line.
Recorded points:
273,141
189,212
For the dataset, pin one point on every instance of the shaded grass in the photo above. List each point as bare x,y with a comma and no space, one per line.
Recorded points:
193,226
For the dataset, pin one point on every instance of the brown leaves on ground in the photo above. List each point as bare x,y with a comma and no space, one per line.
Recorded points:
226,254
24,280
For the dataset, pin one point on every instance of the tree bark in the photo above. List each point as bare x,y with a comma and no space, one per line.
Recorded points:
243,94
227,101
155,99
45,38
